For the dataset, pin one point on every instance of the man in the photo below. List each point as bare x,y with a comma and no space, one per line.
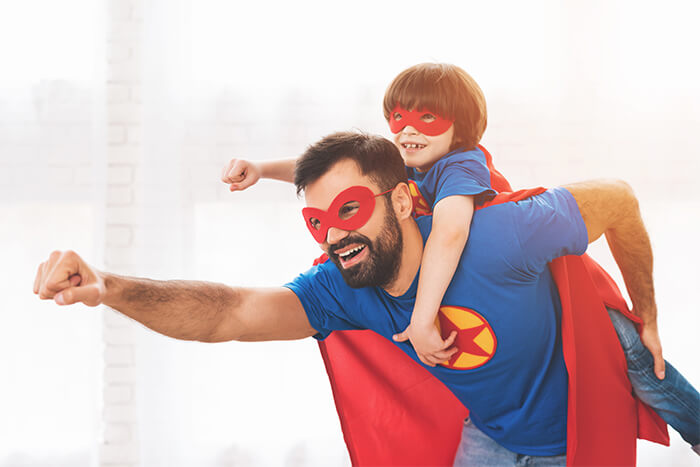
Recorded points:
508,369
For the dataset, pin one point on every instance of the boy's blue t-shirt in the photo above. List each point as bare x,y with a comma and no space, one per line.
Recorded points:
519,396
459,172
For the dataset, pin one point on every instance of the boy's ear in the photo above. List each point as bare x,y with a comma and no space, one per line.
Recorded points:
402,201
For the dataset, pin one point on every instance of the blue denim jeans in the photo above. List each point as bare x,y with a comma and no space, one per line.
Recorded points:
478,450
673,397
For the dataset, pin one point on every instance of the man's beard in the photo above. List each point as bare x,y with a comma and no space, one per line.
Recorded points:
381,266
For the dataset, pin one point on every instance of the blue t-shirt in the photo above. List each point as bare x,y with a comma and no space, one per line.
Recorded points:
519,395
456,173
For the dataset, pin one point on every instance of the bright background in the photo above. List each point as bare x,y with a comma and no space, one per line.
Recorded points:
117,116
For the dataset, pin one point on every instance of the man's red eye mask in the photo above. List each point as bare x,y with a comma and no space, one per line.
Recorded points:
414,119
324,220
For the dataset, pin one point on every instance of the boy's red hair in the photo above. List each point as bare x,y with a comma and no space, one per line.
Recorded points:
446,90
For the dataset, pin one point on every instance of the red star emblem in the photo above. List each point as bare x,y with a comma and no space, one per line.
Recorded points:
475,340
465,338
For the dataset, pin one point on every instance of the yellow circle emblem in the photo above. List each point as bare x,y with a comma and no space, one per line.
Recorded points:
475,340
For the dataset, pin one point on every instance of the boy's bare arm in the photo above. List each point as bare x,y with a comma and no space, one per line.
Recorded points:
241,174
610,207
186,310
282,169
450,229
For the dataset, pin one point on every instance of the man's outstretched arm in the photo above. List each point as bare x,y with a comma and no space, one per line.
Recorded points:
188,310
610,207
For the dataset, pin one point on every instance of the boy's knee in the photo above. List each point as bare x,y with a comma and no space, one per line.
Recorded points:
625,330
636,354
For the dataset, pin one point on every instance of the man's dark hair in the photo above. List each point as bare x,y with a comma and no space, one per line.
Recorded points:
376,157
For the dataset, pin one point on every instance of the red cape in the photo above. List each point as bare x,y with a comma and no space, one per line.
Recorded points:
394,412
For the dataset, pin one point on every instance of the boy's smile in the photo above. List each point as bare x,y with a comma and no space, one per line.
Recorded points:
421,151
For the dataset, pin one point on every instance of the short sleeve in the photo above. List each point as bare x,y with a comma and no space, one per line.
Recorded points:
548,226
467,177
459,173
322,297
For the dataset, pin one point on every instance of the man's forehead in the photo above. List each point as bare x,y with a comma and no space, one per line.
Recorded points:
341,176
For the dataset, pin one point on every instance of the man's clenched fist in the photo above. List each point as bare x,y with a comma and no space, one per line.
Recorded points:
67,279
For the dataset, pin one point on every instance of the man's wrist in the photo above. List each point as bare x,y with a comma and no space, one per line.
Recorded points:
112,286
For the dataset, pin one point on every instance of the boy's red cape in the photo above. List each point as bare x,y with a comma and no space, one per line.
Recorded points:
394,412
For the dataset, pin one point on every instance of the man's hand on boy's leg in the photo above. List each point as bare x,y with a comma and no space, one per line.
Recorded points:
428,344
240,174
651,340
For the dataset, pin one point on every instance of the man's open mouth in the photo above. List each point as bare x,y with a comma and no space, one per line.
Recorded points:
352,256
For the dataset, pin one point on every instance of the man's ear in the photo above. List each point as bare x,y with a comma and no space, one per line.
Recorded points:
402,201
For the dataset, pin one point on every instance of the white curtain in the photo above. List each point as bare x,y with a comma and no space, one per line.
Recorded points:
51,177
575,91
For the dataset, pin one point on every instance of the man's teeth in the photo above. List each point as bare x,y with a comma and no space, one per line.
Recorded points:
349,252
414,146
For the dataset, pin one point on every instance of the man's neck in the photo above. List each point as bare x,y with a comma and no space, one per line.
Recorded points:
411,255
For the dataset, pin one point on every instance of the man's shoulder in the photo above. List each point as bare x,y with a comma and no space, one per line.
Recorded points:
326,279
425,225
552,199
509,217
325,272
539,227
317,277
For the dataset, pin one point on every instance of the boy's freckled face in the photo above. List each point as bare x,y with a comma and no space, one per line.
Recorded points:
421,151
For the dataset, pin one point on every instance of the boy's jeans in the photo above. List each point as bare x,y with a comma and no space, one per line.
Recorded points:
673,397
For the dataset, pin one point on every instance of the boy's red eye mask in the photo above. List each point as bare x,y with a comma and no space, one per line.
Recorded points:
350,210
414,118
